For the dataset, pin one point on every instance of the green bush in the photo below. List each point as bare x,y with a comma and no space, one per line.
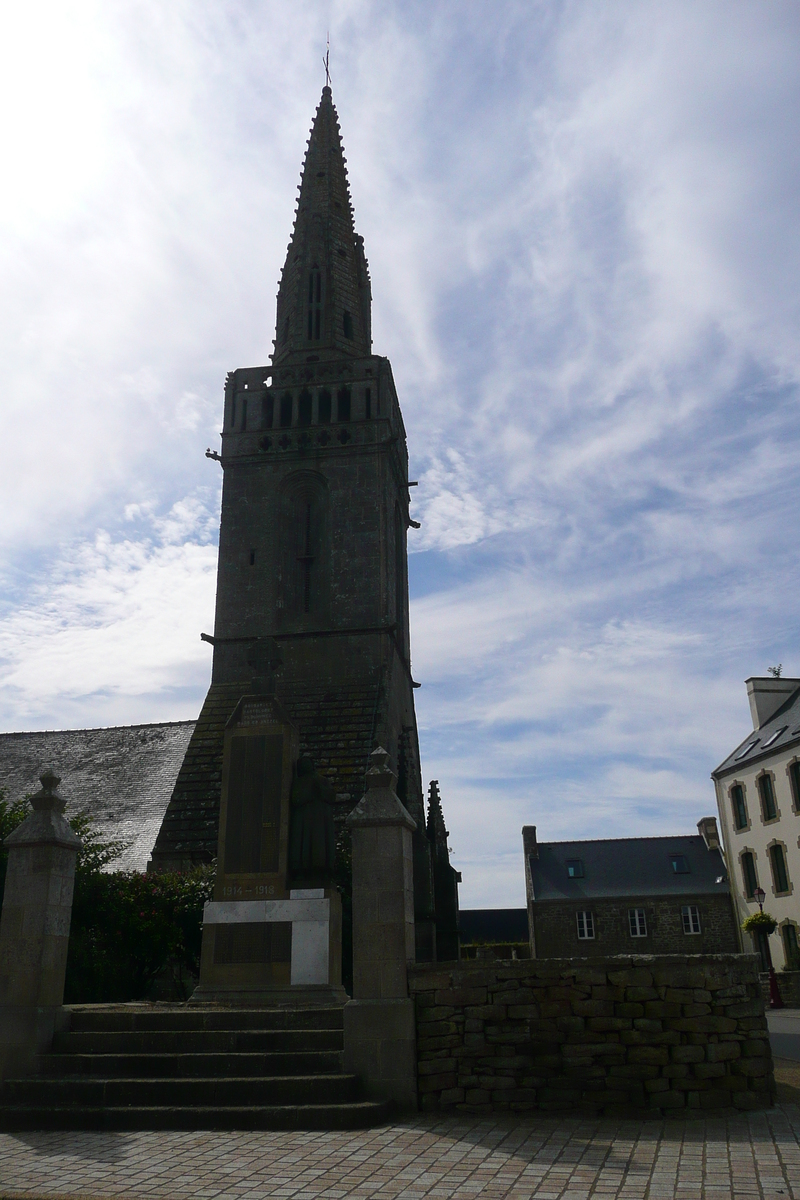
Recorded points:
128,927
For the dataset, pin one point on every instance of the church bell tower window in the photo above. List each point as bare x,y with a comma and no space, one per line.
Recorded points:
304,408
314,304
306,557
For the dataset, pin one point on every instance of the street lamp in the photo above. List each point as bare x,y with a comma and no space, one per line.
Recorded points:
759,895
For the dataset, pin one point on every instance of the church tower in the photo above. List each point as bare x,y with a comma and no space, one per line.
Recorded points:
312,583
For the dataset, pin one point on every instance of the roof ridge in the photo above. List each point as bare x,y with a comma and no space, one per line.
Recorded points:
645,837
98,728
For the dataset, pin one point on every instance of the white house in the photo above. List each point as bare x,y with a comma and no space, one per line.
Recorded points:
758,796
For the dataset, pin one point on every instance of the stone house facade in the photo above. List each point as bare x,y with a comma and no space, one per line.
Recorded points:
758,799
628,895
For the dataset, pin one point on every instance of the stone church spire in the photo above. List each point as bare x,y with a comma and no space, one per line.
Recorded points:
324,297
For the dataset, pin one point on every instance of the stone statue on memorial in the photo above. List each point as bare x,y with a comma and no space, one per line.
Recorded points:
312,841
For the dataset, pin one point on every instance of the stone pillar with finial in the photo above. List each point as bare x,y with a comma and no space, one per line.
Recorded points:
379,1029
34,929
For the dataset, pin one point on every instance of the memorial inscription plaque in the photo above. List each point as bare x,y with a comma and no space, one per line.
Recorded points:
265,941
259,756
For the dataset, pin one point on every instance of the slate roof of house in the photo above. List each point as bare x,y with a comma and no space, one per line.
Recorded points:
626,867
786,719
493,925
123,776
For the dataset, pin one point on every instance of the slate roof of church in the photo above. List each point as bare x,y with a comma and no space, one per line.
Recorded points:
123,776
626,867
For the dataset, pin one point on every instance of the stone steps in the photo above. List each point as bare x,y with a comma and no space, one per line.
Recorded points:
121,1018
187,1092
219,1041
210,1064
176,1067
363,1114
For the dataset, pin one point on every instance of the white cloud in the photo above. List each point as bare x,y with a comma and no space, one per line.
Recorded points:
116,624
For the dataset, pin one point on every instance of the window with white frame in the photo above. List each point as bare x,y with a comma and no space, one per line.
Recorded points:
690,915
585,925
637,922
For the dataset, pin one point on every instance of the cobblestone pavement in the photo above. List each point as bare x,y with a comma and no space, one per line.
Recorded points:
747,1156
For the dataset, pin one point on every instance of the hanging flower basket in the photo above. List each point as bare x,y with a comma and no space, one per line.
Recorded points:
760,921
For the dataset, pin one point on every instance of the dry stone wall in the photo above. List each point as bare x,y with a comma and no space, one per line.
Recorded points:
614,1036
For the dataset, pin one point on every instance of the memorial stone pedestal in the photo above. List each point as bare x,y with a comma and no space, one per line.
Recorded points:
34,929
266,942
379,1025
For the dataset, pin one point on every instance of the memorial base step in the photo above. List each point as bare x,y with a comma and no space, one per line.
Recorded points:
159,1066
311,995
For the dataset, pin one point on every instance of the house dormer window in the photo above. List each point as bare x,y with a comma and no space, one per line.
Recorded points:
314,320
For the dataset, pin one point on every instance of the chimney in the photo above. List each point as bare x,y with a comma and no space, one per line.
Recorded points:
766,696
707,828
529,844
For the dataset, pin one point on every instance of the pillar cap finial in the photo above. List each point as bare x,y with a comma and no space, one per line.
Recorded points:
48,797
380,805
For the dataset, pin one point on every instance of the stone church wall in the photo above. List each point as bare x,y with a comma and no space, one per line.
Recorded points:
668,1034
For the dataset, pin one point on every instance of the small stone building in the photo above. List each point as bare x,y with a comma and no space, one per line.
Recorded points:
648,895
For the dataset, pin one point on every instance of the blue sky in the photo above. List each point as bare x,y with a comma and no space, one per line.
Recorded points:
582,229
